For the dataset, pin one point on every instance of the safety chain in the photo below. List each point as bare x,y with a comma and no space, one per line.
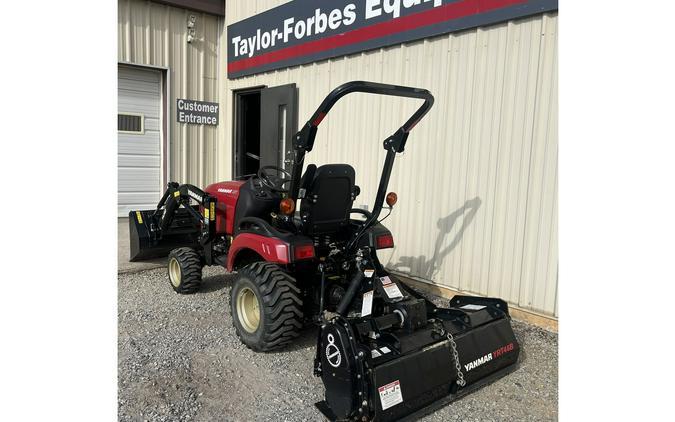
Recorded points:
460,376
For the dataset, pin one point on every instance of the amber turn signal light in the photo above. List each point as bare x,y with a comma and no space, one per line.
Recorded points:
391,198
287,206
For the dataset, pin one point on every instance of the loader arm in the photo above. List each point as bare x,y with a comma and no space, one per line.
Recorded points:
174,222
177,195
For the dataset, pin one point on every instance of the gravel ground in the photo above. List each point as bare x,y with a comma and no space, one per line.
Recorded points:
180,360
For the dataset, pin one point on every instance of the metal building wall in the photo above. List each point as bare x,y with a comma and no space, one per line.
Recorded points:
155,34
477,184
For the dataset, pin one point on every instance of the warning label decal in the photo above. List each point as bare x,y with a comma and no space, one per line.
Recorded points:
390,288
390,394
367,305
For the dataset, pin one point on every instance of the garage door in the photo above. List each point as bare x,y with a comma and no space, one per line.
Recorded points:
139,139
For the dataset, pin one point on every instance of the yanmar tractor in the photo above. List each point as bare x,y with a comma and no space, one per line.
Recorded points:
384,352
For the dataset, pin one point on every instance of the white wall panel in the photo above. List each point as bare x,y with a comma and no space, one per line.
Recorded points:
477,183
146,144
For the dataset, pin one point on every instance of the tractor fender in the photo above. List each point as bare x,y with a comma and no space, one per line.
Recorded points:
272,249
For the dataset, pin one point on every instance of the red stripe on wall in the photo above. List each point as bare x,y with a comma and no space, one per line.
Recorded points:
440,14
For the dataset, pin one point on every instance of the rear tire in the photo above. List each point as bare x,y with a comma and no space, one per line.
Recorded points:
185,270
266,307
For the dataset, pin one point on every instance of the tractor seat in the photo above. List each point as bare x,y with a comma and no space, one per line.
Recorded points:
329,192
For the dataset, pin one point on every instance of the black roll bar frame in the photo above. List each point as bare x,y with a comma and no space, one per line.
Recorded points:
303,141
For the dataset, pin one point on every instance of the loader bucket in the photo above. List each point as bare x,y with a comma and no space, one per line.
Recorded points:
148,240
402,375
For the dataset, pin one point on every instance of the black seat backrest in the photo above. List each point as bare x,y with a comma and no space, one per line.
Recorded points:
328,199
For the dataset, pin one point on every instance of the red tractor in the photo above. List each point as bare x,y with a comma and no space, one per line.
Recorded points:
383,351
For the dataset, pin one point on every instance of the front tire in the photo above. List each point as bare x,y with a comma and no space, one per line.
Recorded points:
266,307
185,270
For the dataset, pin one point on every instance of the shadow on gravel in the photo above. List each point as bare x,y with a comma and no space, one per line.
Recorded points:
307,339
215,283
522,342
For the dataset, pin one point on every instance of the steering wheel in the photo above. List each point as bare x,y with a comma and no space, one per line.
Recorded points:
273,181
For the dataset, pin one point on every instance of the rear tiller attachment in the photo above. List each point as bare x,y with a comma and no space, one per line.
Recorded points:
384,352
413,358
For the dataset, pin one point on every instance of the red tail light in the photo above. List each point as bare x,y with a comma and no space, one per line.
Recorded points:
385,241
303,252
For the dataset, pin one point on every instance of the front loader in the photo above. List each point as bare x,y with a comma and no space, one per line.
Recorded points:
303,255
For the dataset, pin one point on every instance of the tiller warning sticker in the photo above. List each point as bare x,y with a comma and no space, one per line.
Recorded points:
390,394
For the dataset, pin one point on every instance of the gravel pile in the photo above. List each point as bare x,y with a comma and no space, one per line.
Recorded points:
179,360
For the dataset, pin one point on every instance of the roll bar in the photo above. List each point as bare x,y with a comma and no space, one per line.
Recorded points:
303,141
305,138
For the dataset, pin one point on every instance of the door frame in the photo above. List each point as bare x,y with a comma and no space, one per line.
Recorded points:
236,94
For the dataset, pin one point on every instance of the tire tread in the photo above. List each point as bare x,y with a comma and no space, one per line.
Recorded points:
281,303
191,270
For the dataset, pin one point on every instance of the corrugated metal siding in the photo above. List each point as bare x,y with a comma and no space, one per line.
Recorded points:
155,34
477,183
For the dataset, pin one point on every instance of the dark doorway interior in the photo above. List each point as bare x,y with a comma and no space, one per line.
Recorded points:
265,121
247,133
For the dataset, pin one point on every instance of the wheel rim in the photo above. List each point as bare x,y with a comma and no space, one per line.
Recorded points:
248,310
174,272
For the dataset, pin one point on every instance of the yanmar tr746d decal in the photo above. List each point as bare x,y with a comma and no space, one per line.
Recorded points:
487,358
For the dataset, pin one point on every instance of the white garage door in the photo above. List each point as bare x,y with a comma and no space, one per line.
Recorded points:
139,141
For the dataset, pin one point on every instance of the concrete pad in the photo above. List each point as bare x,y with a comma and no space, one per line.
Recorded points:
123,264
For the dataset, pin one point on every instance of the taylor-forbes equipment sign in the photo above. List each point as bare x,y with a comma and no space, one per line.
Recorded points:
304,31
196,112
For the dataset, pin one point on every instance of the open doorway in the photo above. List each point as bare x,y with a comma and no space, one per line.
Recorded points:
247,133
265,119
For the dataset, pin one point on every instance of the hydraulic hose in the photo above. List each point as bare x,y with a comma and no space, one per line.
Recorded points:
351,292
323,289
169,211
